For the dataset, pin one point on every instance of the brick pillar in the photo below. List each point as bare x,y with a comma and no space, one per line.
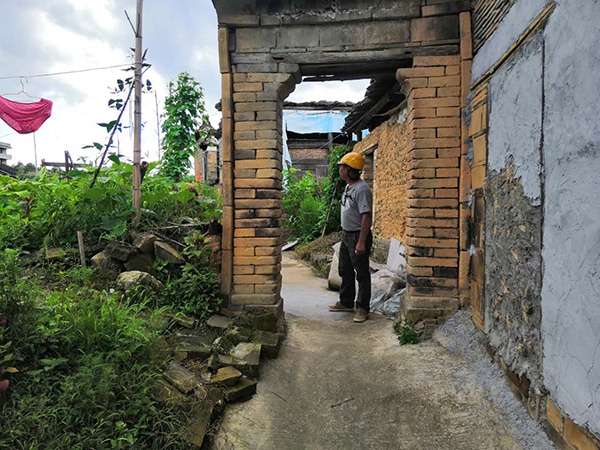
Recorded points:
252,189
433,89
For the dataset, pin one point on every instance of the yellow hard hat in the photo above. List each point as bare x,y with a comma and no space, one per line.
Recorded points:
354,160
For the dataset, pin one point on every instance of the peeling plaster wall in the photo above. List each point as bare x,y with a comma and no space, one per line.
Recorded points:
571,285
566,196
513,277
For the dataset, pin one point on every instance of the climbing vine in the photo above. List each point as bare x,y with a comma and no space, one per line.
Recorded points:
183,118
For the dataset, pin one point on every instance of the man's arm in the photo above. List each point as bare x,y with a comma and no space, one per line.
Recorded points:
366,221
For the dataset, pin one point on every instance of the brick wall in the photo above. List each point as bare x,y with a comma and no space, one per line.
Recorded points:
433,88
389,184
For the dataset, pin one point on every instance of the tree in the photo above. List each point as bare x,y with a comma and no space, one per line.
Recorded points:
183,118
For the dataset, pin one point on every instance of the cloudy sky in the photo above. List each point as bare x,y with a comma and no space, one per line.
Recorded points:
41,37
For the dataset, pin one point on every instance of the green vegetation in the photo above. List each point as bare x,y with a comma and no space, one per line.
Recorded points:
406,332
183,119
312,206
78,364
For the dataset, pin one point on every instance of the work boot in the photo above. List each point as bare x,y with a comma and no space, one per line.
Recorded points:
340,307
361,315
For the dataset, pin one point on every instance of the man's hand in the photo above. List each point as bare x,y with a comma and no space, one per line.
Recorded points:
361,248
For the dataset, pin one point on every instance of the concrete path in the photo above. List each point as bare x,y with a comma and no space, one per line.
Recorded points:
341,385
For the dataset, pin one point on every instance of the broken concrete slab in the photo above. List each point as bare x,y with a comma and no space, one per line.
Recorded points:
265,322
167,253
180,377
220,322
227,376
238,334
195,347
245,389
248,351
270,343
196,428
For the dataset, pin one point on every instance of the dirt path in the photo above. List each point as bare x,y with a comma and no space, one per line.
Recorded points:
341,385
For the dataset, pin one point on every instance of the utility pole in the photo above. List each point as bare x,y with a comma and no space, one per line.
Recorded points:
137,118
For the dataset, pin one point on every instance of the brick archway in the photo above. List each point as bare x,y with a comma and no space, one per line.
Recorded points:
266,48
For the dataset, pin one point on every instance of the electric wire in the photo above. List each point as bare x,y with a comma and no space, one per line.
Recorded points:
67,72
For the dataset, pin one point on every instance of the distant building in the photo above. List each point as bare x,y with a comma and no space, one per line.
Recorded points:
4,156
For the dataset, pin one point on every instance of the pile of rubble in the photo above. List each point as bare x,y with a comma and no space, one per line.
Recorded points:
215,364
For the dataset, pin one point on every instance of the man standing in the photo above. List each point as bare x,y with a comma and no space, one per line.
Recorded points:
357,217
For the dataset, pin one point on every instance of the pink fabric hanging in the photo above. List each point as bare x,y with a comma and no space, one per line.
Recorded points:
25,118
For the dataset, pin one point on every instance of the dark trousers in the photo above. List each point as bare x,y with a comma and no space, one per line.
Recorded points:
353,267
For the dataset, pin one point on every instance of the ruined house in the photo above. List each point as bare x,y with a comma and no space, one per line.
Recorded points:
500,142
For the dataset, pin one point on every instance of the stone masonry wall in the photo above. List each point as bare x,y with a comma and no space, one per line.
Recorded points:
390,188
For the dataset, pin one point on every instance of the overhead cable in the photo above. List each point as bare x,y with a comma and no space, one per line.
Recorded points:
64,73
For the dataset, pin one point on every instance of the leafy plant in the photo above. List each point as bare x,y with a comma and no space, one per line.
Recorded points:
302,203
184,116
406,332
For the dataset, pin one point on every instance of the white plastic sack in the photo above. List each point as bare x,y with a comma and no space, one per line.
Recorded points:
334,281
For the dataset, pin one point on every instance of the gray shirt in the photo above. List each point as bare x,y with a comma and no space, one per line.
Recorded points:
356,200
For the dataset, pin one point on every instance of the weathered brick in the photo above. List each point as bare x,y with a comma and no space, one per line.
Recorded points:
247,87
258,164
426,61
244,232
432,282
255,260
420,193
269,173
265,183
422,153
245,193
255,106
437,102
253,223
434,28
273,213
446,233
244,135
420,212
422,93
480,150
446,193
435,243
419,271
266,115
433,203
448,112
452,70
447,213
422,173
437,143
419,232
268,270
453,91
244,214
244,97
466,37
436,123
432,262
435,183
431,223
245,251
268,232
269,154
244,116
267,288
477,177
262,203
255,126
243,270
421,113
420,72
447,173
252,279
257,242
446,253
423,133
437,162
267,251
444,81
448,152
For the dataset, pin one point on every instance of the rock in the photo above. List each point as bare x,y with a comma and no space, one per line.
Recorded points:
246,368
243,390
265,322
135,278
236,335
227,376
222,345
270,343
219,322
166,393
141,262
103,261
167,253
184,380
196,428
55,253
248,351
186,322
145,243
120,250
194,347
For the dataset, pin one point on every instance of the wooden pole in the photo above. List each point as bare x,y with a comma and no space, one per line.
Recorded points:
81,248
137,117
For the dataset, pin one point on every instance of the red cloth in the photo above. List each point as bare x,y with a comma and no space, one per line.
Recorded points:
25,117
